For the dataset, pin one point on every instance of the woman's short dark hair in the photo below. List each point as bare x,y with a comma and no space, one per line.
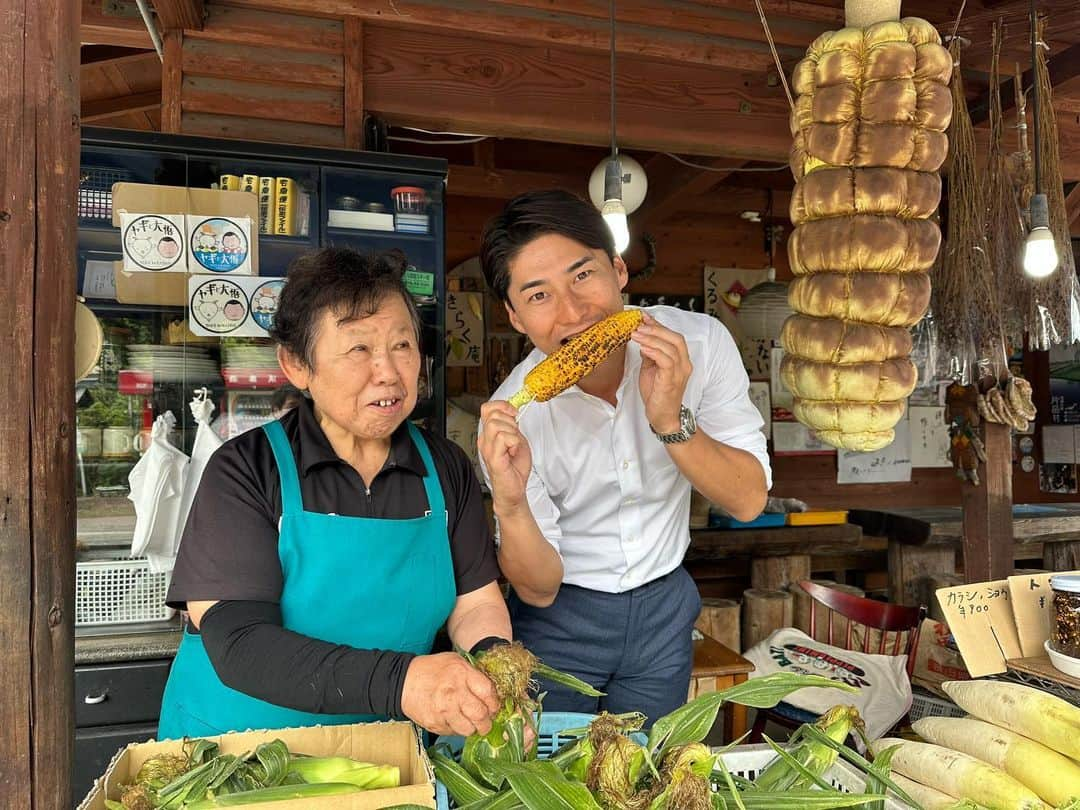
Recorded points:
534,214
340,280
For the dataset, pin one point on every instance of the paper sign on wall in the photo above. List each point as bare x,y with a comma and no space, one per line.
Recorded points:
464,329
1031,605
759,395
237,306
980,617
887,465
795,438
781,397
929,437
1059,444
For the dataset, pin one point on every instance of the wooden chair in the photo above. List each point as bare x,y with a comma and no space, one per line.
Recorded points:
900,622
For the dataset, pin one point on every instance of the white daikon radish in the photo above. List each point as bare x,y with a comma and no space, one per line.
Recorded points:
926,797
959,775
1055,777
1022,709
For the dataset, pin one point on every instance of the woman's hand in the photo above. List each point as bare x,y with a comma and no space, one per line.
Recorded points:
665,369
506,454
445,694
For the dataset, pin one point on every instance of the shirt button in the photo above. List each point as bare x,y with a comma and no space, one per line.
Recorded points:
626,465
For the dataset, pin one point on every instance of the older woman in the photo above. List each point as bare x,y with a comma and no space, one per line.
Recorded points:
324,551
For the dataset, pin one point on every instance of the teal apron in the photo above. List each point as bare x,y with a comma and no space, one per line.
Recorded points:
369,583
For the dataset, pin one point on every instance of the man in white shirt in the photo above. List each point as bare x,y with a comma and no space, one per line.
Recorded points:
591,490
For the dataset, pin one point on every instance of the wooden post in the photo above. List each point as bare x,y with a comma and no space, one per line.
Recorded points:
777,573
172,81
1061,556
719,620
39,162
354,83
911,565
763,612
987,508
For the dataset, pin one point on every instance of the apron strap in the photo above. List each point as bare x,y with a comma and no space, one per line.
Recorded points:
291,501
432,486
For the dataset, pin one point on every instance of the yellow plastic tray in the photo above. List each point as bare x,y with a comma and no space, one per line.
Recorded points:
817,518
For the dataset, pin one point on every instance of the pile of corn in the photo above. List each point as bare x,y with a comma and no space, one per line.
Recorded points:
202,778
613,765
1019,749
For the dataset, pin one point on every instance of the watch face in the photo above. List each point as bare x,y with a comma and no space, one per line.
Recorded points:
686,420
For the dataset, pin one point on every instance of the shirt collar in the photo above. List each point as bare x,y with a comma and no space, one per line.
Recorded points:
314,449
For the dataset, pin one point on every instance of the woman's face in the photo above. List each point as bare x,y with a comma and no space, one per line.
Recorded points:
365,371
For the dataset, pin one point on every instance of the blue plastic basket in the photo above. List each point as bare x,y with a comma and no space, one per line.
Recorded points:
551,737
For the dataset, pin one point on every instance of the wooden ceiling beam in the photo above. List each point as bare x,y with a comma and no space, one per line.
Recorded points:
1072,208
539,27
1063,67
503,184
180,15
431,80
99,28
96,109
131,59
672,185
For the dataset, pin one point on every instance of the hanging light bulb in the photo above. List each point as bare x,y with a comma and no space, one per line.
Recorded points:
613,210
1040,252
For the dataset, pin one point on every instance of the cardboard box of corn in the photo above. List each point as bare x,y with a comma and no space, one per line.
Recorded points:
354,767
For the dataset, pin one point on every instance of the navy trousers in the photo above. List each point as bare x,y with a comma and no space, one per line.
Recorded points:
636,646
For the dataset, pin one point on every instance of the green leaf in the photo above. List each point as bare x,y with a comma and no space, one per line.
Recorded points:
578,685
458,781
859,762
507,800
541,786
794,764
735,797
691,722
274,759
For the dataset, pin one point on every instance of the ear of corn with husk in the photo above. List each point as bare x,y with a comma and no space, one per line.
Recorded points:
577,357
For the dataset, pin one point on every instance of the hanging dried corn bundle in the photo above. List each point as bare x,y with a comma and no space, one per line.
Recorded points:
965,301
1056,292
869,128
1005,228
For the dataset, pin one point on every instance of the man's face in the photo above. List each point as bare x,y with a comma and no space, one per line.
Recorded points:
559,287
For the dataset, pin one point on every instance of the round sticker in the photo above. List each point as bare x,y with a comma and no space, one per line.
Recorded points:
220,245
264,303
219,306
1027,463
153,242
1027,444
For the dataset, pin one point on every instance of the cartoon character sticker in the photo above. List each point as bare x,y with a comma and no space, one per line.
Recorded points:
219,306
219,244
264,303
152,242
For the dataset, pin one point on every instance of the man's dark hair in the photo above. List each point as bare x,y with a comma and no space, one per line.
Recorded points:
534,214
340,280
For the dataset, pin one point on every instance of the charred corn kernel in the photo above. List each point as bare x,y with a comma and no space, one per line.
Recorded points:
580,355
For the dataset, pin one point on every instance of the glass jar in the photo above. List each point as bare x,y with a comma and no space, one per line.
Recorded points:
1065,631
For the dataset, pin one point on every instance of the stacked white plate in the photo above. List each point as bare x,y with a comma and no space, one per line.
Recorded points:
251,356
172,363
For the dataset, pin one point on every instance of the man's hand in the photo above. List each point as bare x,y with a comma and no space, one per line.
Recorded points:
506,454
445,694
665,369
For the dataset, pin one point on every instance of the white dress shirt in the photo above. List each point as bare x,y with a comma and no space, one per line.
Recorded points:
603,489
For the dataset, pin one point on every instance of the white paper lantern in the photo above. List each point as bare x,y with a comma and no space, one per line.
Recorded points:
763,310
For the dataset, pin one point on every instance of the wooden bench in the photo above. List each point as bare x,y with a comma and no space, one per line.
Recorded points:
716,668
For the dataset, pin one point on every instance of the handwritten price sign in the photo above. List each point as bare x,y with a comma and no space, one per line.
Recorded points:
980,617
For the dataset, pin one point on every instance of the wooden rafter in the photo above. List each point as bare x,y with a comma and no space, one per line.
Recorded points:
1072,208
502,184
99,28
544,27
97,109
673,185
1063,67
180,15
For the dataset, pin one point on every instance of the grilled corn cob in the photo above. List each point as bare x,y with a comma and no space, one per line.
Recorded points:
580,355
